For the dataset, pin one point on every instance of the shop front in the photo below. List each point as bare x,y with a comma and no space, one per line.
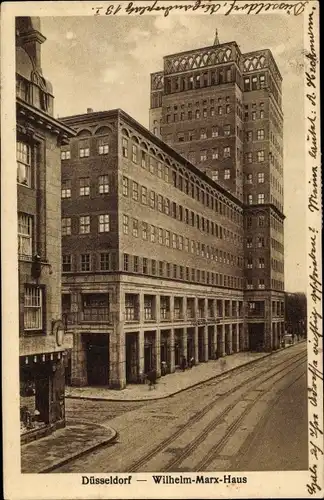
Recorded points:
42,398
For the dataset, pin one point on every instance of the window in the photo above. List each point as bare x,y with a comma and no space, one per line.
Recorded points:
104,223
197,114
160,236
215,175
159,169
66,226
215,153
134,153
125,224
249,263
260,242
203,133
166,174
144,230
260,134
248,157
131,309
261,284
145,266
84,150
144,195
66,189
249,242
103,146
205,113
84,184
215,132
180,137
126,262
246,84
136,264
180,242
261,263
249,178
25,235
167,238
152,165
227,130
261,114
203,155
160,203
24,174
227,174
260,156
103,184
253,115
261,198
261,220
104,261
152,199
192,156
249,136
135,191
191,135
85,262
66,263
148,307
166,206
250,199
33,313
152,234
135,228
227,152
228,108
212,111
174,240
84,224
260,177
220,110
143,159
262,81
249,284
125,186
125,147
65,155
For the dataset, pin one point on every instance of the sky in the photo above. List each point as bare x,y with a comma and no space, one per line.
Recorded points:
104,63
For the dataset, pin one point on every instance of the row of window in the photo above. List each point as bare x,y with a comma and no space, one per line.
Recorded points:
259,199
152,267
254,115
102,148
198,80
204,133
198,114
103,186
276,245
180,182
276,184
258,263
277,265
275,224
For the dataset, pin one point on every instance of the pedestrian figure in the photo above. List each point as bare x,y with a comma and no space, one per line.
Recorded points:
151,377
223,363
183,363
191,362
163,368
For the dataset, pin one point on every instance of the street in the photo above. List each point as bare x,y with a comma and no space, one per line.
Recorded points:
254,418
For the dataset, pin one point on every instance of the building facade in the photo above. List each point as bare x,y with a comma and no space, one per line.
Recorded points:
222,110
152,252
41,334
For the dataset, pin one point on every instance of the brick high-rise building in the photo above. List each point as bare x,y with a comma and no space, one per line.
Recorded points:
43,344
222,110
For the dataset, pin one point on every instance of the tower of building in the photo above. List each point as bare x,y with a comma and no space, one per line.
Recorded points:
222,110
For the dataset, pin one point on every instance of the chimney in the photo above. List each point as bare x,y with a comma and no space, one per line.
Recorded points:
89,110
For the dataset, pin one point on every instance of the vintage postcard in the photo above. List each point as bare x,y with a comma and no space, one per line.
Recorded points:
161,243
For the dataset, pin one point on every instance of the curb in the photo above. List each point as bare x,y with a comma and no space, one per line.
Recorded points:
173,393
73,456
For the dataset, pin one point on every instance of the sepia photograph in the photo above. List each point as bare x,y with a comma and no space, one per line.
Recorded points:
167,264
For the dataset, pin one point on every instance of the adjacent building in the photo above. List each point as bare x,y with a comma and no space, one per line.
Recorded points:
42,337
172,239
152,253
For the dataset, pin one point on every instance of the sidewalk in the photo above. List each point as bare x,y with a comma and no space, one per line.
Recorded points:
169,384
74,440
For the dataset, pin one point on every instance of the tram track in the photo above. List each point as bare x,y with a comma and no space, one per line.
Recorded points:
299,358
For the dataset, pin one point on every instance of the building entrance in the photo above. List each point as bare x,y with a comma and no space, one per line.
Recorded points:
131,358
149,358
97,349
256,336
